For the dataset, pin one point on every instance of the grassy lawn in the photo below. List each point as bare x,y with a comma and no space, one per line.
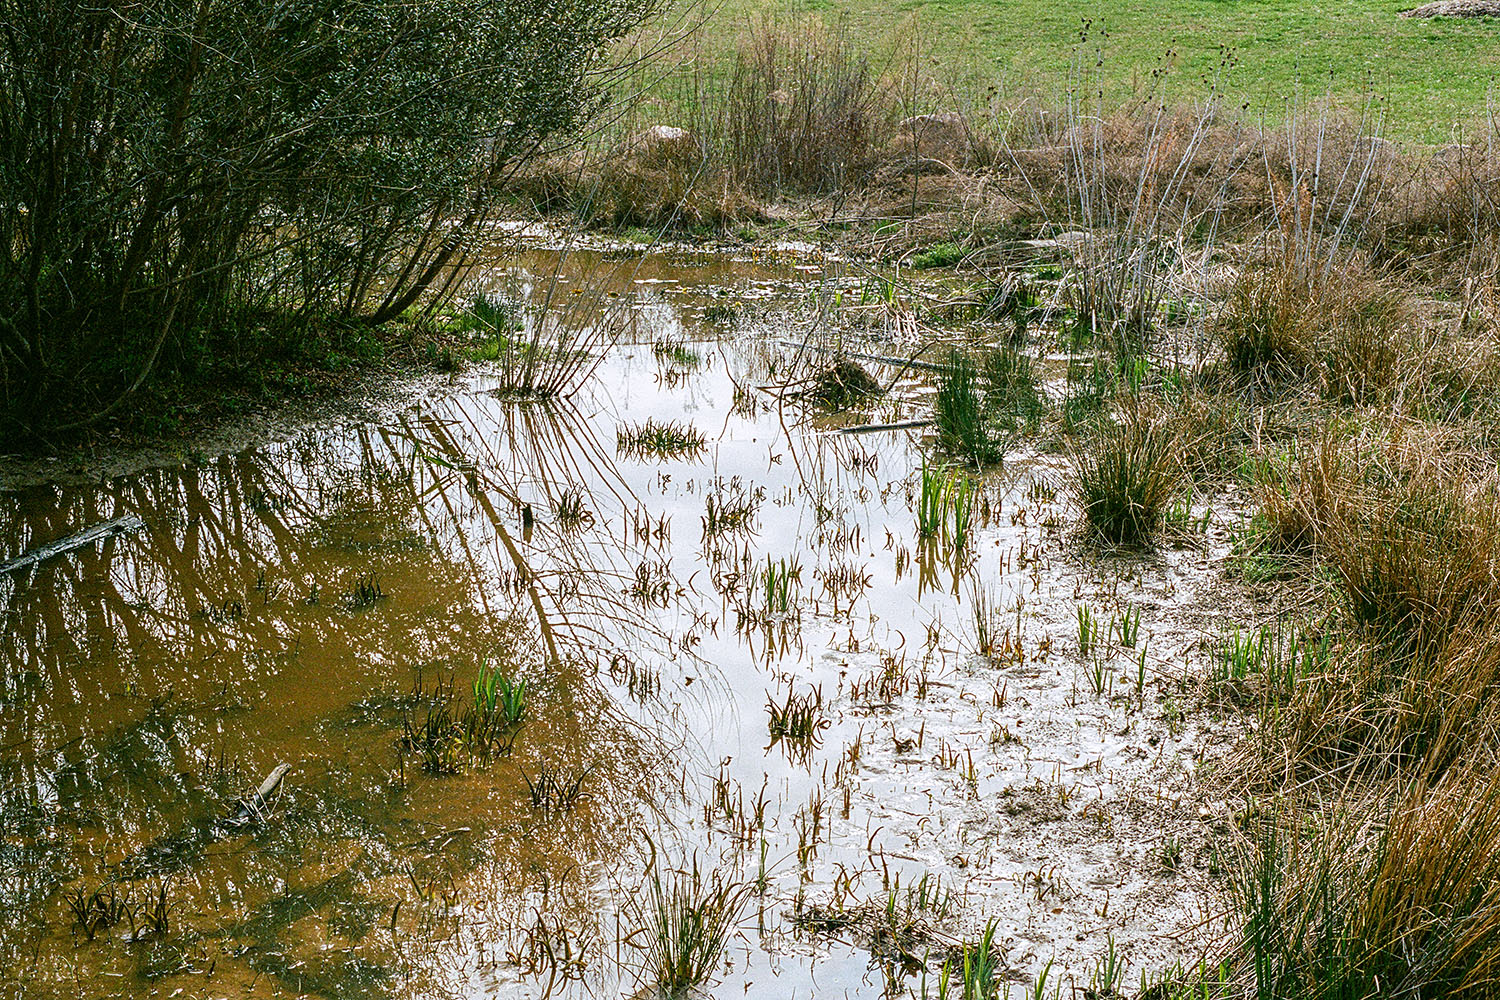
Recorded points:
1427,75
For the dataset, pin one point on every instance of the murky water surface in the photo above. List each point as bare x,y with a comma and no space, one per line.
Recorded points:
320,601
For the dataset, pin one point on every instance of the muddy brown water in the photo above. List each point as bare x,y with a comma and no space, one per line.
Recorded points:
293,602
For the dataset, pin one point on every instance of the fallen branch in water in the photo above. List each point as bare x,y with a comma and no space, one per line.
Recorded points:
253,808
899,425
99,532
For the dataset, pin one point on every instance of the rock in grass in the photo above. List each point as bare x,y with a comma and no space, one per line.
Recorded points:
662,146
1456,8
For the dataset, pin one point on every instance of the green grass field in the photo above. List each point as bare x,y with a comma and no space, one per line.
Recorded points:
1432,78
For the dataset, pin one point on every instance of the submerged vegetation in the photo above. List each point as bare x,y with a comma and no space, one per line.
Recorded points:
662,439
687,916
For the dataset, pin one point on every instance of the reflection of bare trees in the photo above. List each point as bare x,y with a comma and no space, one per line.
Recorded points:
463,491
238,586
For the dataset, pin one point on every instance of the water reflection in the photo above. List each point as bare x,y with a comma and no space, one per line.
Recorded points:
283,605
301,602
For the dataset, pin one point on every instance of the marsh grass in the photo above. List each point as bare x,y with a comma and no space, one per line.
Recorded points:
840,387
1340,330
945,506
570,512
499,709
963,413
945,254
659,439
98,909
1412,536
780,581
365,594
489,315
1395,898
547,345
1407,538
731,509
556,789
145,909
1265,665
1089,383
1134,192
991,638
981,966
799,719
677,353
1013,397
1126,475
685,917
805,108
446,735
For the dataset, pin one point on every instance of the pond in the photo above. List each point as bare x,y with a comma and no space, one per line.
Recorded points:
715,656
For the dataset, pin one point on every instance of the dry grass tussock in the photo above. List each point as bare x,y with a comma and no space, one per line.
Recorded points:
1336,327
1445,203
802,111
1409,533
805,109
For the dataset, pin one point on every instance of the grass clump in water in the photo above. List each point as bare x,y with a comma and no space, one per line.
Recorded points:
687,916
779,582
799,719
962,414
980,405
731,508
1126,474
676,353
660,439
945,506
842,386
449,734
499,710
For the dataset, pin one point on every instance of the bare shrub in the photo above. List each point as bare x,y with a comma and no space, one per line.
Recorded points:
805,109
1445,211
196,168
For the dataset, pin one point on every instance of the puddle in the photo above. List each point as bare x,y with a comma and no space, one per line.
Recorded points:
669,604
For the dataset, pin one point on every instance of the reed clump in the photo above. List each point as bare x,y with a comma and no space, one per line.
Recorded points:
975,409
1394,897
1126,474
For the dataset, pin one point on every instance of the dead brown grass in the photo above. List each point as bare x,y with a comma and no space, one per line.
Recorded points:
804,110
1334,326
1409,534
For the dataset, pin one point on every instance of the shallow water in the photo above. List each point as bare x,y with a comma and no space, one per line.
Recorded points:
291,603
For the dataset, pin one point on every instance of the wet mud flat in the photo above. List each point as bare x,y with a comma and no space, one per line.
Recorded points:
532,664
